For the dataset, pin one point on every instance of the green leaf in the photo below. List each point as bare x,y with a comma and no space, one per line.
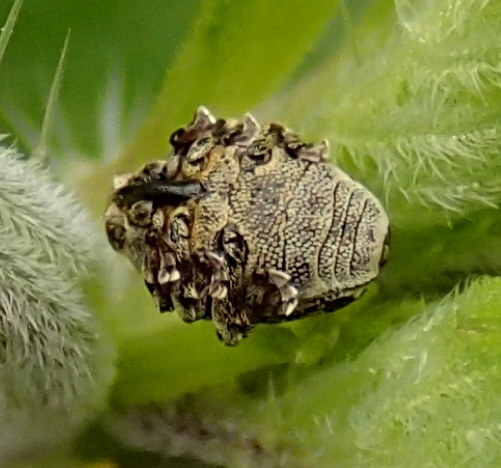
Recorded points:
425,394
175,358
421,395
41,150
238,53
415,115
8,27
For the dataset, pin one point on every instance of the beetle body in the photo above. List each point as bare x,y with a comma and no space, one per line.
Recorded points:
245,225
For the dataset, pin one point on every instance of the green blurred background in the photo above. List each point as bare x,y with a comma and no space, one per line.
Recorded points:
119,53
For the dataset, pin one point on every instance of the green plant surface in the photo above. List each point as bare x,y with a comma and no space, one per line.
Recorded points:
115,65
422,394
55,363
415,268
408,95
230,67
415,114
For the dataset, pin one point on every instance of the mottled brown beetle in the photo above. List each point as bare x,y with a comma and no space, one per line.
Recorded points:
245,225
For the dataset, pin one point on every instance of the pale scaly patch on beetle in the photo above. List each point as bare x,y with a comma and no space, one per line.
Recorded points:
245,224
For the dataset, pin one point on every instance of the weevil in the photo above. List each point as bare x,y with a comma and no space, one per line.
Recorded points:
245,224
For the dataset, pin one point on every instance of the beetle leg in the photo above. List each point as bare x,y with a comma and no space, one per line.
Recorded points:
192,304
288,293
315,154
218,288
167,271
219,291
161,293
289,306
231,325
